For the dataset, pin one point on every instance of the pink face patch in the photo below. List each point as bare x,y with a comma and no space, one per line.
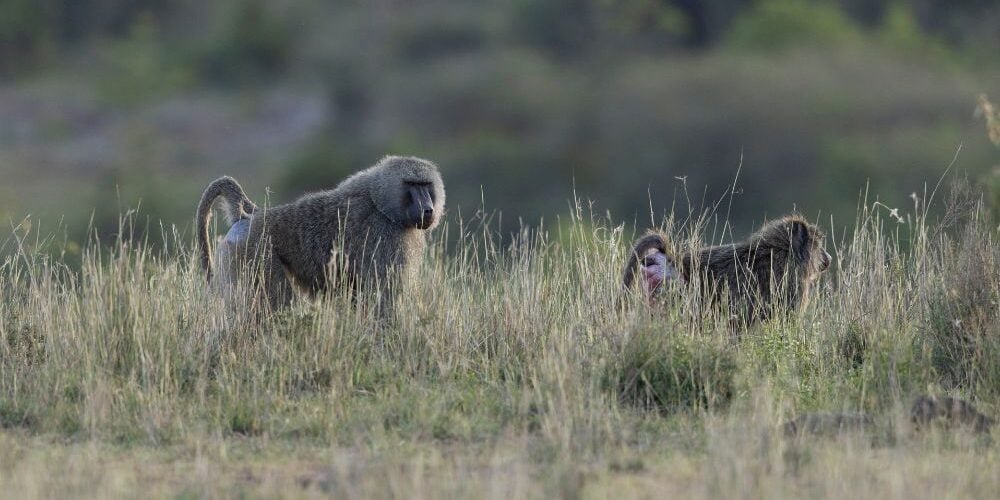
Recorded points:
656,268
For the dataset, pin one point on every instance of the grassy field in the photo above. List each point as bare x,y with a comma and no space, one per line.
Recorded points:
507,372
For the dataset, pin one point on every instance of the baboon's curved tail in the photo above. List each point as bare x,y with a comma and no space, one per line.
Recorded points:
237,207
652,240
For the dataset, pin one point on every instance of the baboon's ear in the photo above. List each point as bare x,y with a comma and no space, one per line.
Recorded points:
801,240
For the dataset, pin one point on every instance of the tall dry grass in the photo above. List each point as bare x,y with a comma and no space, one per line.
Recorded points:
505,371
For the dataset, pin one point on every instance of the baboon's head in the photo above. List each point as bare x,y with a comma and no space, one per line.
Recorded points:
652,263
408,191
804,241
657,268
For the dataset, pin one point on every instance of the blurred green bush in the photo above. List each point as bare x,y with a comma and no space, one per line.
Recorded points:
254,41
781,24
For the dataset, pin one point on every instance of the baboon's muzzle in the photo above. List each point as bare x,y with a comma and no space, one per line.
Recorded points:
824,260
421,207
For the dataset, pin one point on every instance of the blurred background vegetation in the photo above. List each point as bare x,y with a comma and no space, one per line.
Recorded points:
113,104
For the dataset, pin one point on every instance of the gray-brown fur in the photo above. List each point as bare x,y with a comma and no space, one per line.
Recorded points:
951,412
367,231
828,424
774,267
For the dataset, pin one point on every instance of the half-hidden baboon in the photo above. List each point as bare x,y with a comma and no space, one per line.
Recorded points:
368,231
948,411
828,424
775,267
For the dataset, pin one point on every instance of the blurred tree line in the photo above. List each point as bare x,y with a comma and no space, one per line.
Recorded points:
527,103
233,34
32,31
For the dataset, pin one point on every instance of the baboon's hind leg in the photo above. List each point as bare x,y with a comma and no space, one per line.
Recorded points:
256,277
277,285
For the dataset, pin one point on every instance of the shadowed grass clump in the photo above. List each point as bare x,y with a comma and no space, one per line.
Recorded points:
661,367
962,309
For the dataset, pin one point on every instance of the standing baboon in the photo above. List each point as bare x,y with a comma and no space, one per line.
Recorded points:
773,268
367,232
951,412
